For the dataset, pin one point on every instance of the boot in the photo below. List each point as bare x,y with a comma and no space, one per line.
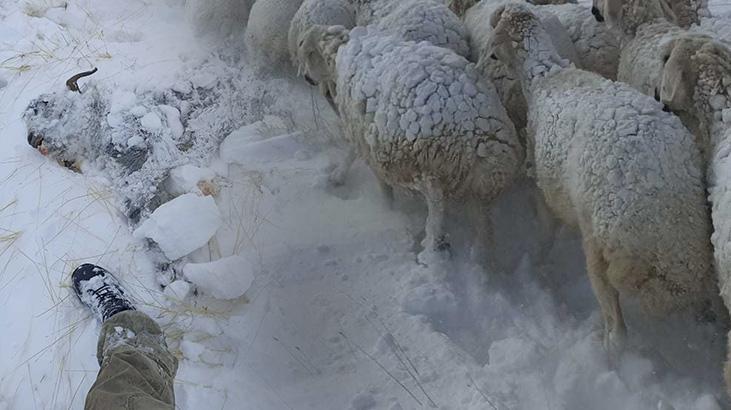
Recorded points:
100,291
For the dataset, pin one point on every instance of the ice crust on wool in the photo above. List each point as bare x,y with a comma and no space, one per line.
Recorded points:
182,225
226,278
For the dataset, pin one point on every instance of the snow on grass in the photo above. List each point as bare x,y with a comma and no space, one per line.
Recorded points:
339,314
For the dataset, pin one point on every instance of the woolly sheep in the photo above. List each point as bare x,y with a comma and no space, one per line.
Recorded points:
412,20
268,28
610,162
318,12
420,117
507,85
415,20
696,84
645,27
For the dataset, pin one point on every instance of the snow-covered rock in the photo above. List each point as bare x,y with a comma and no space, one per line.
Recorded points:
182,225
226,278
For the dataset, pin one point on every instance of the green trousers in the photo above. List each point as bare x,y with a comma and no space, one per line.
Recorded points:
137,370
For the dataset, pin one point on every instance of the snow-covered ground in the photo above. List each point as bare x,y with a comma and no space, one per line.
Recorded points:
339,314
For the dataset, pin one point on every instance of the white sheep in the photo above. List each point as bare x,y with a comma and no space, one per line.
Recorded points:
645,28
420,117
696,84
480,33
415,20
610,162
223,17
318,12
267,32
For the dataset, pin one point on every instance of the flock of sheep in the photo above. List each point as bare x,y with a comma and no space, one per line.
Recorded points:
621,112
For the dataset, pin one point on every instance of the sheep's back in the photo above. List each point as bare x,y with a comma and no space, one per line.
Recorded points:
414,108
426,20
641,62
597,46
629,171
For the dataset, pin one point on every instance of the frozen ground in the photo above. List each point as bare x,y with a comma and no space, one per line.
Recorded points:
339,314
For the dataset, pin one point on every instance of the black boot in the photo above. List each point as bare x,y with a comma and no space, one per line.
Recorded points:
100,291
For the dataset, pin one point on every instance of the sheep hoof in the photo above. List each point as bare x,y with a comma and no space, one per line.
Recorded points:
435,252
337,177
614,344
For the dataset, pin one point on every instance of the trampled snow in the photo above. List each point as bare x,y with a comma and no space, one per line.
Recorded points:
226,278
339,314
182,225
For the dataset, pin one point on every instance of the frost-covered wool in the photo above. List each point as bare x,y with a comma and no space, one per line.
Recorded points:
628,175
226,278
268,29
182,225
717,27
323,12
480,32
415,20
648,27
419,115
596,45
696,83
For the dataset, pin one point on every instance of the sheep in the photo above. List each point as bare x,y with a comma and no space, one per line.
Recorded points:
696,84
415,20
420,116
222,17
266,34
507,85
318,12
613,164
134,140
645,27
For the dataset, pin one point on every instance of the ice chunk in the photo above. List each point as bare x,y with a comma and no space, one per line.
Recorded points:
185,179
182,225
178,290
151,121
226,278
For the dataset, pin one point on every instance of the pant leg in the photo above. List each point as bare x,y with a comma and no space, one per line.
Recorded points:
137,370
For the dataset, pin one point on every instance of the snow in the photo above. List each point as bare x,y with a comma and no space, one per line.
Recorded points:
186,178
227,278
182,225
339,314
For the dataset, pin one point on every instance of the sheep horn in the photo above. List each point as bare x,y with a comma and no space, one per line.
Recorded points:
72,84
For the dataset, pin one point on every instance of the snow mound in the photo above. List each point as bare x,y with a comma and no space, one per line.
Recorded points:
227,278
187,178
182,225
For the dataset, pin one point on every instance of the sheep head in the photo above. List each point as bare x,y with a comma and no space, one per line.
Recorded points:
317,49
629,15
460,7
696,75
520,42
512,24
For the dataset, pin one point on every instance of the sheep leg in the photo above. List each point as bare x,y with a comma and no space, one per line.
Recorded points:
337,176
436,238
483,239
615,331
387,191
